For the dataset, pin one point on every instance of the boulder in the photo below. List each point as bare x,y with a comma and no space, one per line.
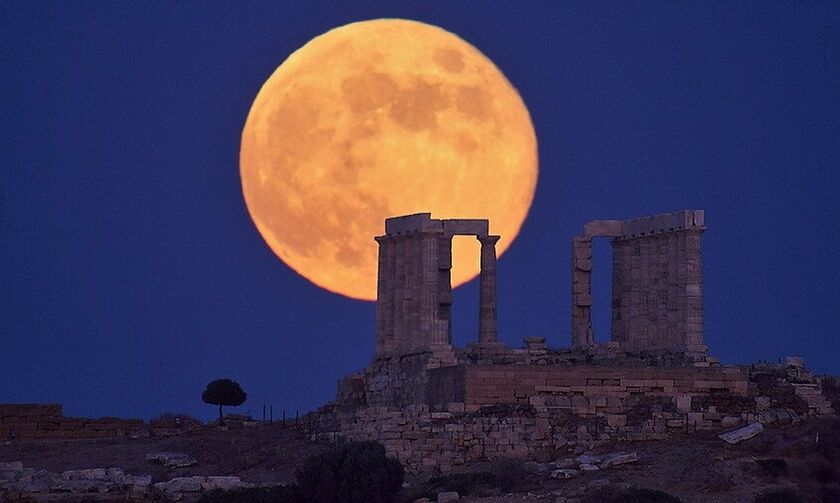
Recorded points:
181,485
588,459
564,473
447,496
563,463
619,458
741,434
223,483
11,466
588,468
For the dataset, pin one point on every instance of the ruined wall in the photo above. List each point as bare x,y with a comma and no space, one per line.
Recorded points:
584,390
46,421
424,440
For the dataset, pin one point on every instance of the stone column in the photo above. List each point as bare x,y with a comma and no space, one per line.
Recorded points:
487,291
582,334
385,296
429,290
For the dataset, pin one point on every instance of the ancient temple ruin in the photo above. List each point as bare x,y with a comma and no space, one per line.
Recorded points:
657,287
433,405
414,292
656,299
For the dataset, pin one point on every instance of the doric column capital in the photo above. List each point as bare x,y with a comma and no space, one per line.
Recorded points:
488,239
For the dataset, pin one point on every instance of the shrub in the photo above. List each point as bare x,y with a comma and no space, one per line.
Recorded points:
355,472
773,466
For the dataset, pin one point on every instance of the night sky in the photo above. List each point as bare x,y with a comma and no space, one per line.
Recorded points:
131,273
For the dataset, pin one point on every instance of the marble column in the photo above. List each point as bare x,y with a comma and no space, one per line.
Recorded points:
487,291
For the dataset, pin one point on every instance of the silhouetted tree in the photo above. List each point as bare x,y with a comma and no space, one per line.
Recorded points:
223,392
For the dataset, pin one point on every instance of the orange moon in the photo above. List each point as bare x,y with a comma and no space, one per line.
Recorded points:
376,119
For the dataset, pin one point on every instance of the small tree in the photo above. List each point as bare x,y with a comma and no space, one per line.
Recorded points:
223,392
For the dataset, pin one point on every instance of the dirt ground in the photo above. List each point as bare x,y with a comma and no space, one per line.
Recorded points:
266,453
804,457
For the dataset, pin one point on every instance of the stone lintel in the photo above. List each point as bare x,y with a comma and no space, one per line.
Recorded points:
466,227
663,222
608,228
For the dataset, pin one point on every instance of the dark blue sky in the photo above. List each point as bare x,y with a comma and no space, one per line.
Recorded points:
131,274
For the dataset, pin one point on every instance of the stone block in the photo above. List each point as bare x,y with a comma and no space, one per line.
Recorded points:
741,434
619,458
616,420
608,228
223,483
11,466
564,473
683,403
455,407
445,497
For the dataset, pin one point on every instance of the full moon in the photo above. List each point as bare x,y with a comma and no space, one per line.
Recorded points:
376,119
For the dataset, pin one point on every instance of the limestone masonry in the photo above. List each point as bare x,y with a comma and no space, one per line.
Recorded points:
434,406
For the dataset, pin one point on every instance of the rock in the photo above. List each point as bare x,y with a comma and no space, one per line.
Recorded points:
560,440
139,482
619,458
588,468
741,434
447,496
422,500
181,485
171,459
563,463
11,466
39,482
224,483
564,473
730,421
588,459
117,476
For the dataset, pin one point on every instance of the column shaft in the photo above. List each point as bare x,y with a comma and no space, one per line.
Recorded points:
487,291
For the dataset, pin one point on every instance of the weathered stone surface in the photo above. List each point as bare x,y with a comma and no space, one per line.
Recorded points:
564,473
224,483
588,468
11,466
588,459
447,496
181,485
741,434
619,458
